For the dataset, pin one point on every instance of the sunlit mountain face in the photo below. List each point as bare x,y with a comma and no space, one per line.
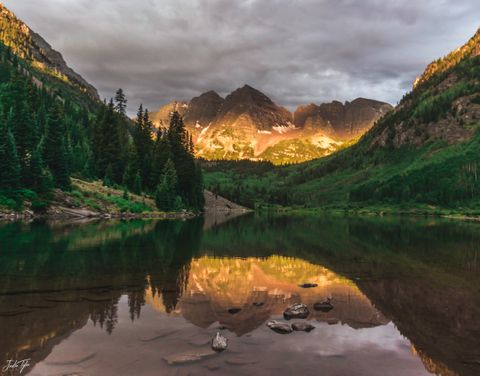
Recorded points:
96,297
247,124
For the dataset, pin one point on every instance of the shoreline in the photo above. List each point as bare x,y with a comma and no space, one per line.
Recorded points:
67,216
371,212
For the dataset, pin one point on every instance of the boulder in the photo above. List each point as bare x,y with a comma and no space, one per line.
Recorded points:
219,343
302,327
280,327
323,306
296,311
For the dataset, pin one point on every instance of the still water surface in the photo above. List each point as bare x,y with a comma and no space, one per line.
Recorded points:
128,298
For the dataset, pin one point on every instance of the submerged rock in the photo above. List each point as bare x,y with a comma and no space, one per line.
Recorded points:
308,285
219,343
302,327
258,304
296,311
233,311
323,306
189,357
279,327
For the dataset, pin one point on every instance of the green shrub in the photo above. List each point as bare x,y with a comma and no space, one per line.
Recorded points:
39,206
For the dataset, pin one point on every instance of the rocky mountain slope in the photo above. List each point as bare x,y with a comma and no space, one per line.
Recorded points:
424,154
31,47
249,125
469,49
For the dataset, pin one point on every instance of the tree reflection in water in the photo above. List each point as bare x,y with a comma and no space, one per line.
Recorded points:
421,274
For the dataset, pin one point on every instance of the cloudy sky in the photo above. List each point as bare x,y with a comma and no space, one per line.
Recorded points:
296,52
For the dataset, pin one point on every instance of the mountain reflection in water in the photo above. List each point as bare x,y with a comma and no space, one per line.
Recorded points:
217,285
76,298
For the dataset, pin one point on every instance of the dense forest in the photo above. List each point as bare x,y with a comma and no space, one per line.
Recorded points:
46,138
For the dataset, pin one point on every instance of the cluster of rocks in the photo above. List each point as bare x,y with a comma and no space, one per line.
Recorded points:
295,311
25,215
299,311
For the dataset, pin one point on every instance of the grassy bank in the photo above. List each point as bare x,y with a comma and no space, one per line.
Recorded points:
85,199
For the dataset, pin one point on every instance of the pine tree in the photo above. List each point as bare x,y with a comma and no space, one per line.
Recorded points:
137,184
160,155
108,178
132,168
165,196
184,161
120,102
54,148
41,179
142,138
110,140
9,162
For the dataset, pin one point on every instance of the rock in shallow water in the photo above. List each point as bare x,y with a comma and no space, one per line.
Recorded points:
308,285
323,306
296,311
219,343
189,357
233,311
279,327
302,327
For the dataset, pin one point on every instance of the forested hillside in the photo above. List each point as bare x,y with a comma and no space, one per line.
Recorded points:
425,152
47,136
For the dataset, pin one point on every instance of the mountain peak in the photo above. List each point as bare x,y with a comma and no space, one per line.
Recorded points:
210,94
248,94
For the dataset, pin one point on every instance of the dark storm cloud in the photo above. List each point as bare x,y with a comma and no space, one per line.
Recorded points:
297,52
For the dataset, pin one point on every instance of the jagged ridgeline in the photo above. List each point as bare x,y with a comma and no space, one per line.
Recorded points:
53,127
247,124
426,151
45,65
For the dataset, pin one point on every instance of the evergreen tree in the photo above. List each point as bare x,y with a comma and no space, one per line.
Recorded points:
142,137
9,162
160,155
41,179
188,187
137,184
110,140
108,178
132,168
165,196
54,148
120,102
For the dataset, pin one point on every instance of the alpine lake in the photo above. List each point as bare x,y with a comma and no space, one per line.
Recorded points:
146,297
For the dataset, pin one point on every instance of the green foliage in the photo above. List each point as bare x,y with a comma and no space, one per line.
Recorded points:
166,196
433,108
108,179
110,143
40,206
48,132
54,147
137,184
7,202
9,162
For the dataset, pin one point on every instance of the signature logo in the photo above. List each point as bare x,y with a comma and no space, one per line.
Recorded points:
16,365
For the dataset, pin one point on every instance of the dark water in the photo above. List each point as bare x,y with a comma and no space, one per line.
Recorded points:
122,298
